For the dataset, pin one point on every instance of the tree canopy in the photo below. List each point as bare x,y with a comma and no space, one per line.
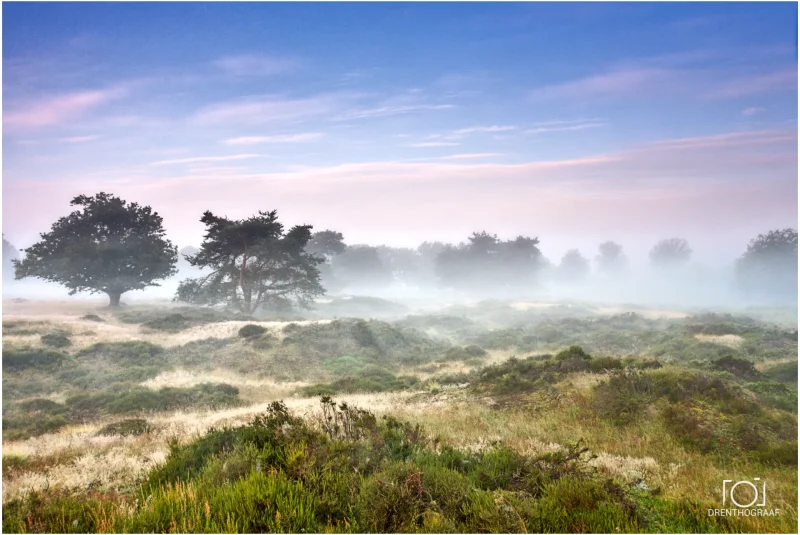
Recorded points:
611,261
574,267
9,253
484,260
253,263
769,265
670,252
109,246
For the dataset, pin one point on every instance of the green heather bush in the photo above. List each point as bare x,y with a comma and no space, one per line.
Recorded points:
283,474
125,353
738,367
23,358
785,372
132,426
371,379
251,330
25,327
56,339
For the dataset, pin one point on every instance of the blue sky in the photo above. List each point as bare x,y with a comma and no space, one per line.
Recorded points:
403,122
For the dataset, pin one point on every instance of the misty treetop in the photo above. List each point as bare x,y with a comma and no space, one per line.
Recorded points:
485,259
108,246
769,265
254,263
670,252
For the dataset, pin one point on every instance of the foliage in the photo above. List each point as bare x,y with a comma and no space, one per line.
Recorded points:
254,262
56,339
670,252
574,267
611,261
769,265
109,247
251,330
129,427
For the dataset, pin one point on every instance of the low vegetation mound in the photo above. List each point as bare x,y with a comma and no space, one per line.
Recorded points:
250,330
40,416
174,319
129,427
56,339
353,472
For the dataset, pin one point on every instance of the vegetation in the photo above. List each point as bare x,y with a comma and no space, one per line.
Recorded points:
109,247
253,263
351,471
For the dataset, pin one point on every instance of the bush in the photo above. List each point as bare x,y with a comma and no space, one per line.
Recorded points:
130,427
738,367
573,352
57,339
785,372
624,396
27,358
92,317
251,330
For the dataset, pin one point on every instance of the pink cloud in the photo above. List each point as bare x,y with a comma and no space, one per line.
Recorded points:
55,110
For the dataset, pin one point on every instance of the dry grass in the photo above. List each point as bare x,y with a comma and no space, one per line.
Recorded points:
734,341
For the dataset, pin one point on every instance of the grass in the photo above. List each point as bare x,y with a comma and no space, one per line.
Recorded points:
596,434
40,416
348,470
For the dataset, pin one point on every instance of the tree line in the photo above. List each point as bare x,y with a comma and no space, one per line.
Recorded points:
110,246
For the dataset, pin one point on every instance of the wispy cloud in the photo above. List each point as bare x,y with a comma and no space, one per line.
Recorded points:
434,144
493,128
287,138
472,156
385,111
564,128
57,109
271,109
754,84
78,139
202,159
614,83
256,65
747,112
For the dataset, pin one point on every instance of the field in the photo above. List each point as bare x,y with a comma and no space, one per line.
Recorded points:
366,415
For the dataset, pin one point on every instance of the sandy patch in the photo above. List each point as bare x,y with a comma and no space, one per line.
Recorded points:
650,313
733,341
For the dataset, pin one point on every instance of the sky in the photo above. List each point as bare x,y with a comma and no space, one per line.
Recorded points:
399,123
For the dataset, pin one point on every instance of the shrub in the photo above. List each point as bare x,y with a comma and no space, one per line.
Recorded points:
603,364
573,352
27,358
785,372
624,396
57,339
738,367
92,317
130,427
251,330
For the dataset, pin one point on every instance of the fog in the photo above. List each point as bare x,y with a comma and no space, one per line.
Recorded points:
696,283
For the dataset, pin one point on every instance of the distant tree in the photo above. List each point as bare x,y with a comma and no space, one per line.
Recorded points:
110,246
484,261
183,264
769,265
326,244
404,263
361,265
670,252
9,254
253,263
574,267
610,259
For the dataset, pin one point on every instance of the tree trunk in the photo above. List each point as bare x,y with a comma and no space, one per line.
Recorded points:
114,299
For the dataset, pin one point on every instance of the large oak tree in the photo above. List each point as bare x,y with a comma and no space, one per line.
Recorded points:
253,262
108,246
